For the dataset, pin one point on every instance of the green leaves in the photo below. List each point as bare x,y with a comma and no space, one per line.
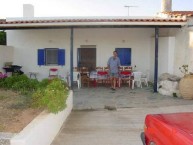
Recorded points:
2,38
20,83
47,94
51,97
184,69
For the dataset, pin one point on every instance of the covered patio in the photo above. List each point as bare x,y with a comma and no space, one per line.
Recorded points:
106,33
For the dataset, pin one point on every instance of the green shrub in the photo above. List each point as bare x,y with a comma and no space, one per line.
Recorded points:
47,94
3,40
20,83
2,83
52,96
44,83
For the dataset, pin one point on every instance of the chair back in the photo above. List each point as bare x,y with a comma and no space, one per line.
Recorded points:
53,72
127,68
145,75
137,76
75,69
121,68
76,76
99,68
84,70
106,69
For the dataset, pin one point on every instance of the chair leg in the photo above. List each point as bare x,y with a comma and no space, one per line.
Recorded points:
119,82
140,84
78,83
129,83
147,83
133,84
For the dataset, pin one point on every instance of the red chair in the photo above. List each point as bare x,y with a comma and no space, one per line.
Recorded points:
127,68
53,73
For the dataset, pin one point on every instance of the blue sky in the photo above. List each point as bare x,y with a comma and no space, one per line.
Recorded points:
50,8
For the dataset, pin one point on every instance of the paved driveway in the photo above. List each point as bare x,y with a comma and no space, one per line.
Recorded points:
91,124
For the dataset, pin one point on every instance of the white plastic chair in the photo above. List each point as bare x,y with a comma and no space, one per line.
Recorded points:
136,79
77,78
144,78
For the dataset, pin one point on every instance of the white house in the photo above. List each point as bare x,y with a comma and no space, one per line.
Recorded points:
156,44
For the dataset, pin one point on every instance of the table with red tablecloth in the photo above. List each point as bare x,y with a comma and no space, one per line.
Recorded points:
102,73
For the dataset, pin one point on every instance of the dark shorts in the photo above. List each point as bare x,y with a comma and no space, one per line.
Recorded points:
114,75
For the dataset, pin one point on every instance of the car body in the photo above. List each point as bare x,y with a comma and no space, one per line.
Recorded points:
169,129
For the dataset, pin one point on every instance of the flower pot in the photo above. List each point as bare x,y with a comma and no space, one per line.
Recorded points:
186,87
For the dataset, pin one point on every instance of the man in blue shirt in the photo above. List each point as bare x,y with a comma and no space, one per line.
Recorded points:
113,65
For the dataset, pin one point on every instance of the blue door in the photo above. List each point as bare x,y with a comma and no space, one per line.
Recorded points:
124,55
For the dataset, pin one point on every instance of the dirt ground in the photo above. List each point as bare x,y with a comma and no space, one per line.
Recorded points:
15,112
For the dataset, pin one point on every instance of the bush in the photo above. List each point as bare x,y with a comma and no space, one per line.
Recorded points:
20,83
51,95
47,94
44,83
3,38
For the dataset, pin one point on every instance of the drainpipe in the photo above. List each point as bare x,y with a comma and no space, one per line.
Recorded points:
156,59
71,56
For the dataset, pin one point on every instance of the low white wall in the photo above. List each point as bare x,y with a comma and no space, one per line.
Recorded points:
6,55
43,129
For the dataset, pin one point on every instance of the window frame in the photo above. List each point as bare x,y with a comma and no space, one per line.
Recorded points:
46,56
41,57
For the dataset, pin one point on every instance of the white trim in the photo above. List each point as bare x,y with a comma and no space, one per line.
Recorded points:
94,24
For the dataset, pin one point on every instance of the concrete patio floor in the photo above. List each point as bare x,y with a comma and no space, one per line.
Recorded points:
99,97
91,124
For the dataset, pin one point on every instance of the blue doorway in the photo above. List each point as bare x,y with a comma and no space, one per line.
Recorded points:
124,55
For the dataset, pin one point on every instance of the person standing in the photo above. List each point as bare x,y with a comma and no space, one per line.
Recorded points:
113,65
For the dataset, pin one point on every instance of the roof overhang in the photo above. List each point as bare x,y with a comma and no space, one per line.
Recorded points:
92,23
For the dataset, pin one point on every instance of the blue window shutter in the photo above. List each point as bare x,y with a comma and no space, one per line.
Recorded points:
61,56
41,55
124,55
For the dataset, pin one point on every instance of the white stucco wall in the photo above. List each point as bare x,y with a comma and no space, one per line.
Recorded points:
6,55
190,47
26,43
106,40
173,52
165,56
184,49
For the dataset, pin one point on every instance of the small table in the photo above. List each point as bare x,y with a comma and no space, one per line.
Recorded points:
93,77
34,74
102,73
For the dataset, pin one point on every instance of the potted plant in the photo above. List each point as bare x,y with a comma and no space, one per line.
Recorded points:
186,83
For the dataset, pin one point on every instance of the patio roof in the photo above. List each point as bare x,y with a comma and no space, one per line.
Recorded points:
66,22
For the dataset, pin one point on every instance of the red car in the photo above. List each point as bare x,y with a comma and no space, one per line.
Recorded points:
168,129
